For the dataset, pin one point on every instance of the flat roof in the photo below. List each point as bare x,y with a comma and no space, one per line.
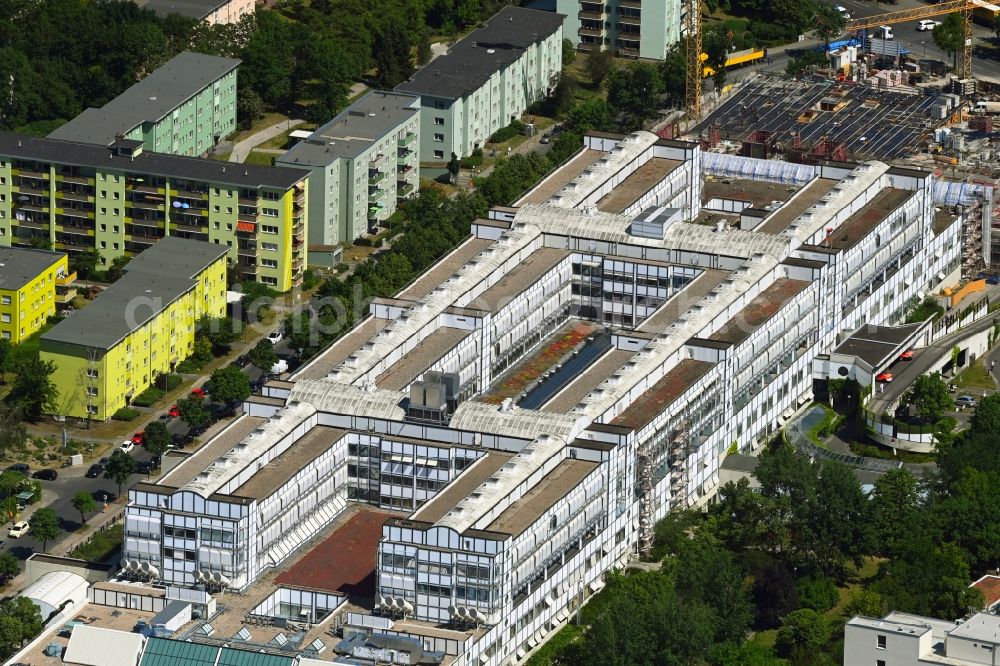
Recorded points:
470,63
587,381
780,219
427,352
21,265
279,471
523,512
876,344
196,9
522,276
27,147
755,313
674,307
759,193
345,560
580,162
475,474
740,463
651,403
153,280
323,363
354,130
210,451
981,626
444,268
636,184
861,223
150,100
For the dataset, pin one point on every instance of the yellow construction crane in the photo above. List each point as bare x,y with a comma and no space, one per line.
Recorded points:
692,27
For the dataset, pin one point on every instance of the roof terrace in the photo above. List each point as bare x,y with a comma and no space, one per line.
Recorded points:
523,512
805,198
636,184
861,223
525,274
656,399
427,352
763,306
444,268
583,160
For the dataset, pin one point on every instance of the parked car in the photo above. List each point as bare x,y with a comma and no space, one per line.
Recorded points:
144,467
927,25
198,392
993,279
180,441
843,12
884,377
126,446
174,412
103,462
94,471
46,475
274,337
137,439
20,468
907,355
965,401
242,361
545,138
19,529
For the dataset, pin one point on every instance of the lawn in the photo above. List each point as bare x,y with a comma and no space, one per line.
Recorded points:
266,121
876,451
975,376
260,158
102,545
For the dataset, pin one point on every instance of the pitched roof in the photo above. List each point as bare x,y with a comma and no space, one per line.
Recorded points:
471,61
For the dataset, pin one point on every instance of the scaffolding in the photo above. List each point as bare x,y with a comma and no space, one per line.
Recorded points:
972,240
646,464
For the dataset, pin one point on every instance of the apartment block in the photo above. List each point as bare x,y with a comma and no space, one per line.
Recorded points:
120,200
213,12
643,29
903,639
137,329
360,165
486,80
32,283
183,108
515,421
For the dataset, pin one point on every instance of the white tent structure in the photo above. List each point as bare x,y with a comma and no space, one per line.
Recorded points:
54,589
94,646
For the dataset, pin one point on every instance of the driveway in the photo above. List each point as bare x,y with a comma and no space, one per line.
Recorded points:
243,148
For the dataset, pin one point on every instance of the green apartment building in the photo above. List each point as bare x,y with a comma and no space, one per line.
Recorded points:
486,80
360,164
120,200
183,108
629,28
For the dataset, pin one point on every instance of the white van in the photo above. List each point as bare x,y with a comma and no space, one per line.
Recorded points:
883,32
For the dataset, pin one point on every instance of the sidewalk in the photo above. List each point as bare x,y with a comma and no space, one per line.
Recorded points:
243,148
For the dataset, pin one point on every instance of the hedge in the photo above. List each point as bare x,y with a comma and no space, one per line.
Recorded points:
148,397
125,414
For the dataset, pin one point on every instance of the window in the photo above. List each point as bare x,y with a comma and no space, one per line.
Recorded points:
272,247
269,263
269,212
439,154
880,662
439,137
5,318
5,300
438,120
880,642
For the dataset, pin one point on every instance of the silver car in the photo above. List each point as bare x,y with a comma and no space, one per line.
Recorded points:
965,401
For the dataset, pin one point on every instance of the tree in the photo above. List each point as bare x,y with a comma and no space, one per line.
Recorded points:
117,268
262,355
894,511
424,47
45,526
836,521
715,45
84,263
454,166
249,106
20,620
10,566
201,350
599,65
13,432
230,385
156,438
633,94
194,413
817,593
11,483
4,356
590,115
33,389
929,397
774,595
674,76
9,508
84,503
568,52
802,630
392,56
120,467
928,579
218,330
950,35
829,21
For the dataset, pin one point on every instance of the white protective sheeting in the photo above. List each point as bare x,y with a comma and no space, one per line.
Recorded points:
55,588
953,194
95,646
751,168
336,398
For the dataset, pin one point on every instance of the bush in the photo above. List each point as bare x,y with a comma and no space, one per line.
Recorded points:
474,160
102,546
507,133
818,594
125,414
172,382
310,279
148,397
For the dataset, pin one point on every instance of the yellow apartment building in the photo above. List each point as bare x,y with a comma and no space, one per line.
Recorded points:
32,282
139,328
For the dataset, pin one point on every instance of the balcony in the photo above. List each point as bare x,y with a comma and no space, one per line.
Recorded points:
406,140
244,200
66,280
404,169
72,178
376,179
75,196
247,251
377,162
31,188
591,16
65,296
187,226
630,20
31,171
145,189
375,197
587,46
405,190
78,212
591,32
144,205
628,52
630,4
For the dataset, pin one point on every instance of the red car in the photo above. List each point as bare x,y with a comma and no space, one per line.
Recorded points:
137,438
174,412
885,377
198,392
907,355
